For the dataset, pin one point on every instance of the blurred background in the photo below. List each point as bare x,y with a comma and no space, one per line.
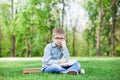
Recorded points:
92,26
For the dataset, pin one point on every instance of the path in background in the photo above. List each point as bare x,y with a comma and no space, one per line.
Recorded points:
16,59
75,58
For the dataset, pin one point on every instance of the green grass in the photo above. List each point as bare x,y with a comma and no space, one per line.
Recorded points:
96,69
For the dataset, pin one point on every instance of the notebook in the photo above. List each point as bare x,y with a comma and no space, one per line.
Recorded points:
68,63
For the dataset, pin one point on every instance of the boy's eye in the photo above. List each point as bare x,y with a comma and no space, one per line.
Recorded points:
57,38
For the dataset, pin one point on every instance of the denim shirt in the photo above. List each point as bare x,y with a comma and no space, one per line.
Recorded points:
53,54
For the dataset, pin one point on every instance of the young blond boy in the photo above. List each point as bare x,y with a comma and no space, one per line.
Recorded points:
56,53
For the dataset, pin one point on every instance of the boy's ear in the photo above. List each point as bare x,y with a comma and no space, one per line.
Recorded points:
65,38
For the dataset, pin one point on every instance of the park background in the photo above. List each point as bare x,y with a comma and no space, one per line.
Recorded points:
92,26
93,37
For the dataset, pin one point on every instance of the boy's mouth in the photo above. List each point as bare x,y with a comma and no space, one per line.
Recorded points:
58,44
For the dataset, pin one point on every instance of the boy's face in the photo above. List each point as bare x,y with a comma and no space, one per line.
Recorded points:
58,39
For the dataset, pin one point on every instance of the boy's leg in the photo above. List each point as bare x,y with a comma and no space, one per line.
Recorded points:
75,66
73,69
54,69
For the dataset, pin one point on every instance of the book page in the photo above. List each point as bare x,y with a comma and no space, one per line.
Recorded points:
68,63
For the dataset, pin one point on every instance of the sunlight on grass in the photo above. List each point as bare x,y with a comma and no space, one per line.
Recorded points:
96,58
96,69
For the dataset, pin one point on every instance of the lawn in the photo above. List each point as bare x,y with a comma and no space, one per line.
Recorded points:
96,69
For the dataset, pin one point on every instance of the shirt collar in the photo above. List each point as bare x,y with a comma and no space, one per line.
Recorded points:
53,44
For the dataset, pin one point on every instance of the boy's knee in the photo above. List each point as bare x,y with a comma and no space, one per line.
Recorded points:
77,64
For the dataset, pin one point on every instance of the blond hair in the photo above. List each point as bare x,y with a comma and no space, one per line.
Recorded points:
59,31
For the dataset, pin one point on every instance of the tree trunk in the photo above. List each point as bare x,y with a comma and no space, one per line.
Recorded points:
99,29
109,44
27,48
30,50
114,11
88,47
0,51
13,46
12,6
13,36
0,42
74,39
63,12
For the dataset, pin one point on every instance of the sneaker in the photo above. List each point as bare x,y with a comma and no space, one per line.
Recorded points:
82,71
71,72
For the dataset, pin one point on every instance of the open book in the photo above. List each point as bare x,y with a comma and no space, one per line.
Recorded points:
68,63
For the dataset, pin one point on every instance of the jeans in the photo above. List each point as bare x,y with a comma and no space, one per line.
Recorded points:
55,68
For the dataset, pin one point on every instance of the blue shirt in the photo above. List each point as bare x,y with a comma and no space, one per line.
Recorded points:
53,54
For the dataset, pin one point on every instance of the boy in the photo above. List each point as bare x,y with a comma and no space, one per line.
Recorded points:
56,54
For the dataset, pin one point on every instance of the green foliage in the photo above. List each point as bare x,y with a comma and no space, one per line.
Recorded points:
37,18
89,34
31,23
117,49
5,29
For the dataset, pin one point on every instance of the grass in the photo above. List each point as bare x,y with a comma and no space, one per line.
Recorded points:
96,69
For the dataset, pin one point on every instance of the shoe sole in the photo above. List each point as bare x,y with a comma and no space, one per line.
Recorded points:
72,72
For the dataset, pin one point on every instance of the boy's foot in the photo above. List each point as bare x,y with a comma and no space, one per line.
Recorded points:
71,72
82,71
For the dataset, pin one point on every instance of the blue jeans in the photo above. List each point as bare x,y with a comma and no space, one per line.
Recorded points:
58,69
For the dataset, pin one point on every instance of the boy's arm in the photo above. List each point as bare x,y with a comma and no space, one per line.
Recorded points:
65,50
63,60
47,58
66,54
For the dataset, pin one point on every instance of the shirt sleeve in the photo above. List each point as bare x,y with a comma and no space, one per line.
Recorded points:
66,53
47,58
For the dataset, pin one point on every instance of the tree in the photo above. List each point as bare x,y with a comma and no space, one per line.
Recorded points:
74,38
34,27
99,28
13,36
105,39
0,41
5,24
63,12
113,11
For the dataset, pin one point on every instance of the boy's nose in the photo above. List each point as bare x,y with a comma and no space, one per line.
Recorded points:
59,40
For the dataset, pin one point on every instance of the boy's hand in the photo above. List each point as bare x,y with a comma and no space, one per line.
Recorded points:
63,60
63,43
